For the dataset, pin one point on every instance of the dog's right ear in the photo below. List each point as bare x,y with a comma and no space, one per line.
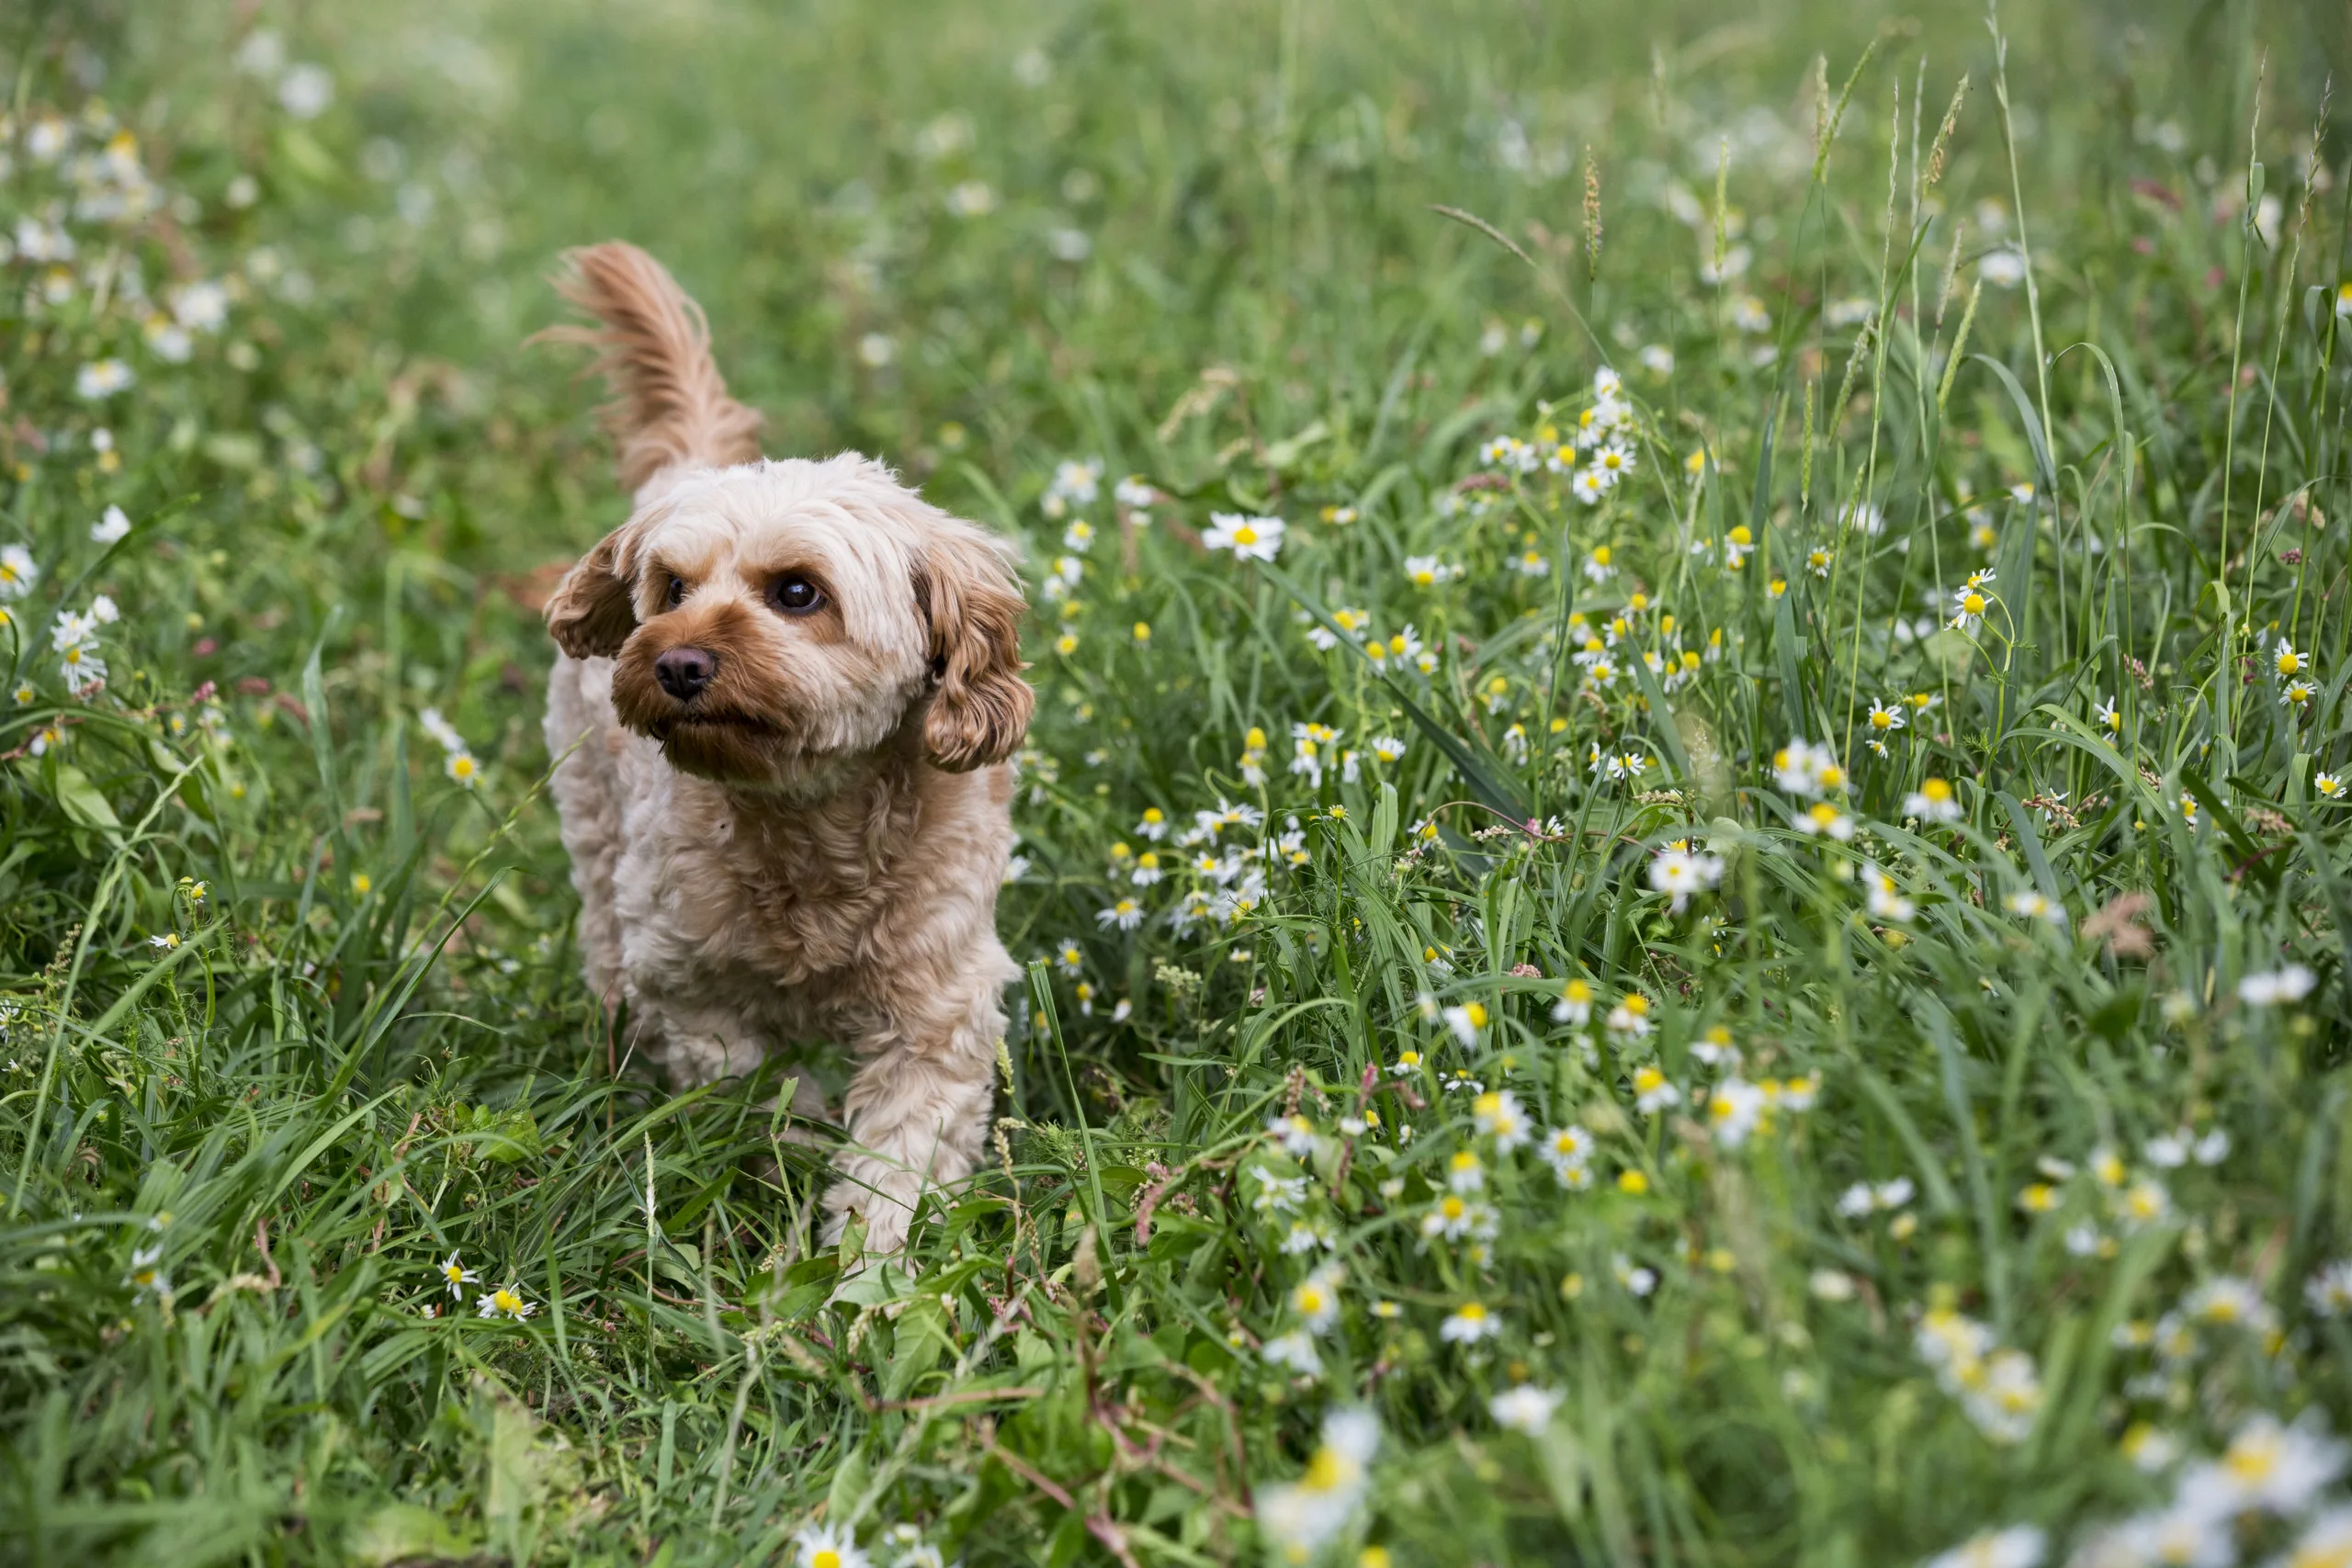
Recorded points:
594,609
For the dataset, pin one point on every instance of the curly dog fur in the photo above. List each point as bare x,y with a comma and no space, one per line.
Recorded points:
784,699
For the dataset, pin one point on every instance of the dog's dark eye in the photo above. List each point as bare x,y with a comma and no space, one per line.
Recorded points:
676,593
795,594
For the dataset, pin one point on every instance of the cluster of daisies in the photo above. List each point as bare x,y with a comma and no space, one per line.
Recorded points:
2273,1493
1596,452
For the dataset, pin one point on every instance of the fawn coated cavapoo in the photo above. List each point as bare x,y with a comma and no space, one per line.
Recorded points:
785,697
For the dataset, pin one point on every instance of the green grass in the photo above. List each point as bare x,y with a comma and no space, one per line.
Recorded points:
292,1015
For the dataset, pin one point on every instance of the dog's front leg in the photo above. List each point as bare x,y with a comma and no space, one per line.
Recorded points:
918,1107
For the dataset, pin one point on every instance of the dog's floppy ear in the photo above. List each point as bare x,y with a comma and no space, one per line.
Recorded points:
981,708
593,610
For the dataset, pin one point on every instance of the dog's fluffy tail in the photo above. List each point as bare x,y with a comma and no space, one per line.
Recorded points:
670,405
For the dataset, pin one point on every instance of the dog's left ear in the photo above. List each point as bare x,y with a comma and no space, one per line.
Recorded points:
594,609
981,708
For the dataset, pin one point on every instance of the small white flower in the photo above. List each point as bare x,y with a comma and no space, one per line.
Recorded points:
113,526
1469,1324
506,1302
2289,984
1295,1134
102,378
18,572
2019,1546
305,91
1525,1408
1295,1350
1126,914
822,1546
1250,538
456,1276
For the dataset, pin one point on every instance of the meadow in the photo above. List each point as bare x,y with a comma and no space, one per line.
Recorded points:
1684,876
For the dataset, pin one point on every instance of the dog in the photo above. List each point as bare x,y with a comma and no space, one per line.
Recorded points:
785,697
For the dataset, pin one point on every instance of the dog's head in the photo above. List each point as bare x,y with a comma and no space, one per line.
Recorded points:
770,620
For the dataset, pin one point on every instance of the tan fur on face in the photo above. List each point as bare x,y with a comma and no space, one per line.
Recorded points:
809,846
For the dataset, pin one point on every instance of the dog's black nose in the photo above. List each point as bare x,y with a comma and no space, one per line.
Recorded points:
684,671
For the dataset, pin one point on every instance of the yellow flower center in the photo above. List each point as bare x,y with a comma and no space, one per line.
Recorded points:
1245,534
1936,790
825,1557
1973,603
1453,1208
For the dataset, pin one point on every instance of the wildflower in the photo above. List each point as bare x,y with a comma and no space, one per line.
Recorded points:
1315,1300
2227,1302
2035,905
1464,1172
2328,1293
823,1546
1637,1280
1652,1091
1301,1516
1525,1408
1428,571
1969,606
1386,749
1818,561
1823,818
1806,770
1469,1323
111,528
462,769
1250,538
1499,1116
1680,873
1574,1005
1631,1016
102,378
1886,901
2268,1466
1078,537
1069,957
147,1277
1306,1236
1295,1132
2289,984
166,942
1126,914
2288,662
1632,1183
2296,694
1568,1151
2144,1202
1154,825
1624,765
2329,785
1734,1110
1465,1022
2189,809
1407,1063
506,1302
1933,801
17,571
1454,1217
2019,1546
456,1276
1831,1285
1277,1193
